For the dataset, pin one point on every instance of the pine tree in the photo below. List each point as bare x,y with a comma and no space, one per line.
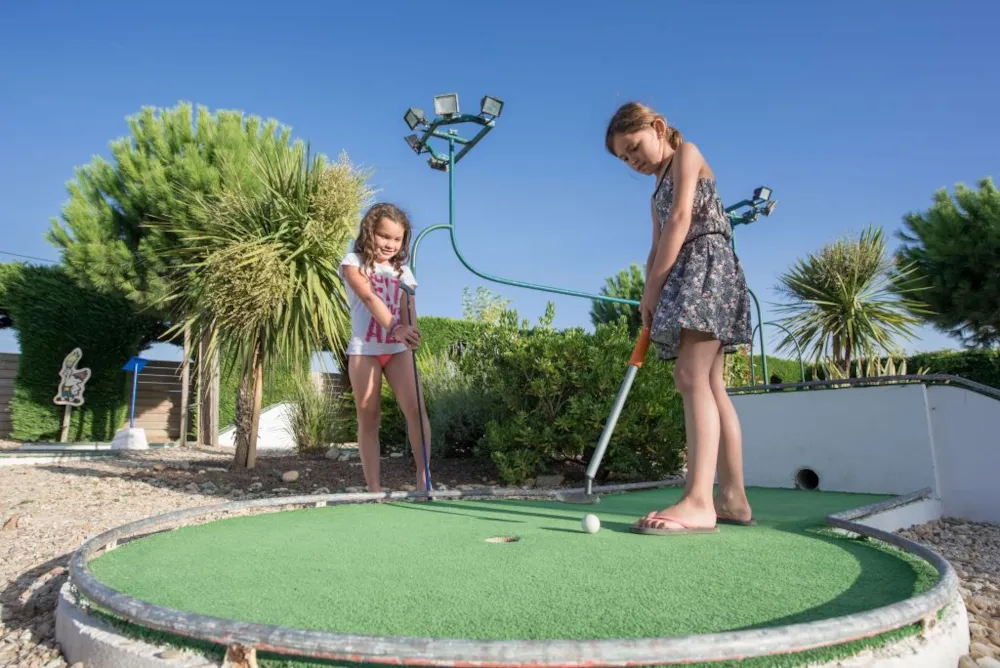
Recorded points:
955,246
626,284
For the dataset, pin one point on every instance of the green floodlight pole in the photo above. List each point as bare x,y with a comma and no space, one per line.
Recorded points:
446,109
767,379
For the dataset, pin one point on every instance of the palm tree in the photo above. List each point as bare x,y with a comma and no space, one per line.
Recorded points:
256,267
848,301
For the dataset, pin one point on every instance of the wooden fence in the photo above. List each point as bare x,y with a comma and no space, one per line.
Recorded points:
8,371
158,401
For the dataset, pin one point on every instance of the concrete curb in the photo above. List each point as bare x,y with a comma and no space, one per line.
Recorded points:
940,643
24,459
86,638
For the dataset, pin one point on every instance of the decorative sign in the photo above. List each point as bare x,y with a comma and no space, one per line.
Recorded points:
72,381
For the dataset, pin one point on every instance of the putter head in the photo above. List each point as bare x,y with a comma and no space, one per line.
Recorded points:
578,498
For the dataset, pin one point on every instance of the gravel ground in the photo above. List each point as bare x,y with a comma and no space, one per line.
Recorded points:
48,510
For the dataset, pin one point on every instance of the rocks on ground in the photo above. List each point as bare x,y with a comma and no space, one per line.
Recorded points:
973,549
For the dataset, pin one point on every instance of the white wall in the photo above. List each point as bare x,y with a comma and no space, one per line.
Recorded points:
866,439
966,429
890,439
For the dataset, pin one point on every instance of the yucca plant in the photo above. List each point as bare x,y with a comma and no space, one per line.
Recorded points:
313,422
848,301
872,367
257,266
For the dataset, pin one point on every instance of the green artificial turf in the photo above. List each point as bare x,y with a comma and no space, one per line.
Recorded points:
425,569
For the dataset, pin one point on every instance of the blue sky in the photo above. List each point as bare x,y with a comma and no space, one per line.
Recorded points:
853,112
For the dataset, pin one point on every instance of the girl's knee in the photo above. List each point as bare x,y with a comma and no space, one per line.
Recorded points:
369,413
688,377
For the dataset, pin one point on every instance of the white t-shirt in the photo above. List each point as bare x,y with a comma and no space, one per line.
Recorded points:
367,335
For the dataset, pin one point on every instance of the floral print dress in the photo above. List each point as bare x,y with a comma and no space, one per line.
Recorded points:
706,290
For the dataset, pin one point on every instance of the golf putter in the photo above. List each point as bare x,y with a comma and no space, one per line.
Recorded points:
587,497
410,292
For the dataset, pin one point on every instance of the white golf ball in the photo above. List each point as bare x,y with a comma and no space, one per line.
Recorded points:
590,523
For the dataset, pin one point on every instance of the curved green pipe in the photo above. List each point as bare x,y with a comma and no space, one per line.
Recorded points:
450,226
798,348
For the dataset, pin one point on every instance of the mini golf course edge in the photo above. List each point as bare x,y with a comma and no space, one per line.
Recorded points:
925,608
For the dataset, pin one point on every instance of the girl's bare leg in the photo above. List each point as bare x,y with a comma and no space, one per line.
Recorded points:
692,373
731,497
399,373
365,374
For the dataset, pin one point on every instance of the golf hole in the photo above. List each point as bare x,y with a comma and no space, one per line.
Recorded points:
806,479
503,539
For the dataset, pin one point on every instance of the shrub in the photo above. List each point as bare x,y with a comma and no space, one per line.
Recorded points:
313,417
555,391
458,410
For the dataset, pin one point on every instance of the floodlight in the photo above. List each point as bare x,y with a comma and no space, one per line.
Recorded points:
769,207
763,193
414,142
438,164
491,106
446,105
414,117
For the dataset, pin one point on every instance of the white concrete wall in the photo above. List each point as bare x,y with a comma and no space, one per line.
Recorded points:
866,439
966,429
890,439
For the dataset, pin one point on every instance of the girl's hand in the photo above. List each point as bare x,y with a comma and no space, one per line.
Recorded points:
646,310
410,336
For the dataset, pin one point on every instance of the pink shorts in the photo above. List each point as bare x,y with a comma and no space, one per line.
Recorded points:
383,359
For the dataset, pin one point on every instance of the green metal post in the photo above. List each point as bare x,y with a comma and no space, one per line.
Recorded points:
763,350
490,277
416,243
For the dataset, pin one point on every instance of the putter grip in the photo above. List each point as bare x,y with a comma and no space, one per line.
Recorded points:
641,347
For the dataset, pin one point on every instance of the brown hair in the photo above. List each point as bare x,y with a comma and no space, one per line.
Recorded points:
364,245
634,116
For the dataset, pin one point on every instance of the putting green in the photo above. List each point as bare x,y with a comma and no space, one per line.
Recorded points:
427,569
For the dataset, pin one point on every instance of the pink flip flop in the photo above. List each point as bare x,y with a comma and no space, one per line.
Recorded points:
684,531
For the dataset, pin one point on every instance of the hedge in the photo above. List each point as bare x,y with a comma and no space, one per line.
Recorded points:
52,316
979,365
781,370
439,334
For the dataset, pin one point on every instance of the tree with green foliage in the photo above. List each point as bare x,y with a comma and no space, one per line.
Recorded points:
626,284
847,301
955,247
485,307
107,234
256,265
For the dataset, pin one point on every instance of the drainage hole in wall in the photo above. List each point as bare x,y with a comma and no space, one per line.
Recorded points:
806,479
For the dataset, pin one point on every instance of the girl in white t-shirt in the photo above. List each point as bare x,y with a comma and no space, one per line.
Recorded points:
382,336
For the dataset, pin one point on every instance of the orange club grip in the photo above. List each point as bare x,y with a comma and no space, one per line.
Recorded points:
641,347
